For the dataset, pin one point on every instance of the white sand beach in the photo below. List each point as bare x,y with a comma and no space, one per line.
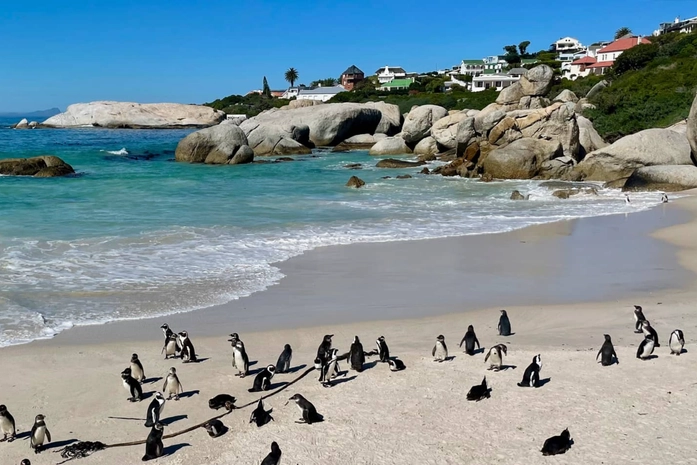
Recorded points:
564,286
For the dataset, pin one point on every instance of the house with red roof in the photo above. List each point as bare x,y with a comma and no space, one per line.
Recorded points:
606,56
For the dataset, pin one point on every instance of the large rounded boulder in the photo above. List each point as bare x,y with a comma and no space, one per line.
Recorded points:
692,128
663,178
521,159
224,144
445,130
46,166
390,146
419,122
537,81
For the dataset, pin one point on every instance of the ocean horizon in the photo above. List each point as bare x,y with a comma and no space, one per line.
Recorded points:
134,234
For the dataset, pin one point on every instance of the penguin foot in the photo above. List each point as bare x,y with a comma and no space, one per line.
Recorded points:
3,439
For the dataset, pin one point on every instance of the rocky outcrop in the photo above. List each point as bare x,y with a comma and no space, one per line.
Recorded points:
328,124
516,195
520,159
392,163
596,89
135,116
646,148
301,104
663,178
359,142
537,81
390,146
224,144
23,124
570,192
355,181
391,120
692,128
445,130
418,123
46,166
588,138
566,96
427,147
272,139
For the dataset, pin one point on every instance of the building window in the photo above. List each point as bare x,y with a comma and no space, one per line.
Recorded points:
480,84
498,83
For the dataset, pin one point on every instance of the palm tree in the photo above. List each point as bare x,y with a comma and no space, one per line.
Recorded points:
292,76
621,32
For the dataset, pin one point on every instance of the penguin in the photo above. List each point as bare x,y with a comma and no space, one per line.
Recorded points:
557,444
638,318
330,369
7,425
608,353
153,445
260,416
308,411
626,199
234,337
324,351
222,400
647,329
171,346
531,377
215,428
172,386
646,347
39,434
283,363
240,360
469,340
504,325
170,338
479,392
356,355
664,198
262,381
188,353
496,354
25,462
155,409
383,350
440,350
131,385
166,330
396,364
676,343
274,457
137,369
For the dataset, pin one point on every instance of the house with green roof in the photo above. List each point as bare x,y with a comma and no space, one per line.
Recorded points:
397,84
471,67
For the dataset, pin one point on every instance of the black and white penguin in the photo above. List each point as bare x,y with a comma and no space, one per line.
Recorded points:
153,445
166,330
171,346
531,377
469,340
308,411
557,444
155,409
440,350
222,400
283,363
25,462
504,325
479,392
396,364
262,381
324,351
676,343
664,198
274,457
647,329
7,425
356,355
137,370
646,347
188,352
639,318
39,434
240,360
214,428
496,354
172,387
626,199
260,415
131,385
383,350
607,353
330,369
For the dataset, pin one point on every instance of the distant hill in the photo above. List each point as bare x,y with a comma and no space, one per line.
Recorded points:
32,114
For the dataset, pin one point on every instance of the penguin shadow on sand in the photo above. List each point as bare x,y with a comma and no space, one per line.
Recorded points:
343,380
278,385
153,380
173,419
191,393
171,450
23,435
295,369
543,381
58,444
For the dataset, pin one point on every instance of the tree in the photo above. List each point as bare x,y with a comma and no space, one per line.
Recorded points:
291,76
511,57
523,47
324,82
511,50
266,91
621,32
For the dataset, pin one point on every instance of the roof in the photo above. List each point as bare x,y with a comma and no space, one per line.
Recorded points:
602,64
584,61
623,44
398,83
353,69
528,61
322,90
489,71
391,69
472,62
517,71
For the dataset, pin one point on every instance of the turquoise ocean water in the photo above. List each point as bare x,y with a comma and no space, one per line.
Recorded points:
135,234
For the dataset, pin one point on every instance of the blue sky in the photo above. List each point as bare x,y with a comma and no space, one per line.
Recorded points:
59,52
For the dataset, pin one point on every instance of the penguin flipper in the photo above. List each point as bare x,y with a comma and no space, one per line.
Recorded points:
433,352
48,435
487,356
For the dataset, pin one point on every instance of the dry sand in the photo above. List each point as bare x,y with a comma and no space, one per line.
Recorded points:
635,412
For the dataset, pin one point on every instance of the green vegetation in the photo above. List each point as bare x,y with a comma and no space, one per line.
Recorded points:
266,90
621,32
291,76
328,82
250,105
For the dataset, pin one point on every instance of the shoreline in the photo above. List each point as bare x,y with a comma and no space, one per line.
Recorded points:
617,414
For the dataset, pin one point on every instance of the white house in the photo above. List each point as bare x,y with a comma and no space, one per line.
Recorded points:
495,63
471,67
606,56
685,26
291,92
566,44
320,93
493,81
388,73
